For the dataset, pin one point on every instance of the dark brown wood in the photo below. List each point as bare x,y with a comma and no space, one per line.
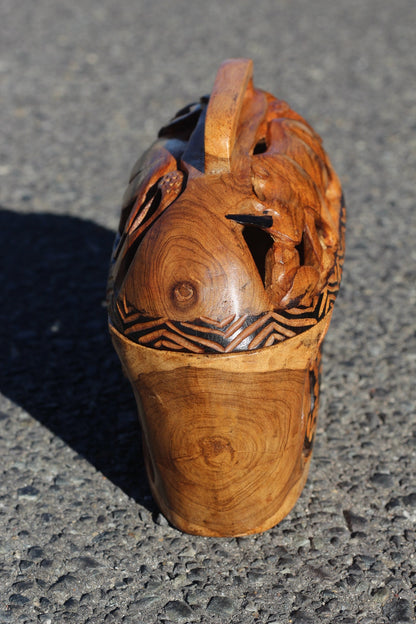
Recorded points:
225,271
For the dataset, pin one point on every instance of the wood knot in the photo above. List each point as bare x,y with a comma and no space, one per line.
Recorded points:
216,450
184,293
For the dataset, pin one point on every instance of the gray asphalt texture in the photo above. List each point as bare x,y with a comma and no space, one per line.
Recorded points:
84,88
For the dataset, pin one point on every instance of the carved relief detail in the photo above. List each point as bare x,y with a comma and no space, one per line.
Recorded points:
205,335
237,211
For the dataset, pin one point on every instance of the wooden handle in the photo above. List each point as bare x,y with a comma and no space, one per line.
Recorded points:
223,113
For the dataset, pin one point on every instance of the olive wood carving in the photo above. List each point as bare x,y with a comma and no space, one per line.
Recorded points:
224,273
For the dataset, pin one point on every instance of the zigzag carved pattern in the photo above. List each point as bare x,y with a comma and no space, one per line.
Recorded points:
206,335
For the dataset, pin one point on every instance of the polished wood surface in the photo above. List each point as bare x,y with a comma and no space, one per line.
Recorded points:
227,438
225,271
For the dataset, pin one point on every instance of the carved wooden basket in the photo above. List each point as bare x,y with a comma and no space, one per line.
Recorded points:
224,274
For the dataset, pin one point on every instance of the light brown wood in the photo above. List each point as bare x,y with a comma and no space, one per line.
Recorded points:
228,437
223,114
225,270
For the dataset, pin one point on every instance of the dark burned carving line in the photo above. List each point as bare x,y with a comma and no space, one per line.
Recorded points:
204,335
265,221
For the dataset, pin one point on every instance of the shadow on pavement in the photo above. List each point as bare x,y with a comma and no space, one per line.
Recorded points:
56,359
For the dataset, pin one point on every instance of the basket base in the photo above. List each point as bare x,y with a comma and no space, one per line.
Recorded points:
227,439
192,528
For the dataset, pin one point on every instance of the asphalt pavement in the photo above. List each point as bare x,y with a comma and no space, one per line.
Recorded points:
84,88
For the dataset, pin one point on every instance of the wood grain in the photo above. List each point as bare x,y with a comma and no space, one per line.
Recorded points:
223,114
224,274
227,438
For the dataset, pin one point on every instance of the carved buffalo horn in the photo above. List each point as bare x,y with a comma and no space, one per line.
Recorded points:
225,270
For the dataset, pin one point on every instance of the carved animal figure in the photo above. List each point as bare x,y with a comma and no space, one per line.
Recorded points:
230,242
